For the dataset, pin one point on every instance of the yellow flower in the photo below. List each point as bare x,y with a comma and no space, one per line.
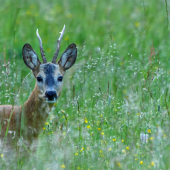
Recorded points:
44,128
138,114
119,164
123,151
76,153
100,151
152,163
127,147
78,167
82,148
64,133
99,129
115,110
88,127
2,155
141,162
102,133
151,138
164,136
46,123
62,166
114,140
149,131
85,120
110,149
137,24
122,140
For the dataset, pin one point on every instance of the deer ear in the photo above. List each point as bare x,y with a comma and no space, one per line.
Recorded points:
30,57
69,56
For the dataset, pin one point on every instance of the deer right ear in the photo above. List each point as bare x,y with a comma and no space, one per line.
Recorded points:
30,57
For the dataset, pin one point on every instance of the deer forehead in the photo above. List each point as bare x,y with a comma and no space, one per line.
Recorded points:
50,69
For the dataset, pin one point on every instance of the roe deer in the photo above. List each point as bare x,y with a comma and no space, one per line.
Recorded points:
26,121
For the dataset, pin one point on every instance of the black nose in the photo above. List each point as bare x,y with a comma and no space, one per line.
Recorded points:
51,95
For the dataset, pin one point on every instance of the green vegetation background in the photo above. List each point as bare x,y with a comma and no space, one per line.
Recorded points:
114,109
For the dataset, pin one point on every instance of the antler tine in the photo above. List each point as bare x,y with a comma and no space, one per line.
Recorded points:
58,46
41,48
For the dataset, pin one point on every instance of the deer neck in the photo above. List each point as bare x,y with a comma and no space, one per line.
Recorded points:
36,111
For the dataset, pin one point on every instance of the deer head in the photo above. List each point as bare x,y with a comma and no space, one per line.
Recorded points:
49,75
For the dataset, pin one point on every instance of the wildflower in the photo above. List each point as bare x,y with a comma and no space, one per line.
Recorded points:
137,24
100,151
141,162
119,164
152,163
46,123
78,167
151,138
62,166
2,155
123,151
110,149
164,136
149,131
101,115
102,133
82,148
44,128
114,140
64,133
76,153
127,147
88,148
122,140
88,127
115,110
62,111
99,129
85,120
138,114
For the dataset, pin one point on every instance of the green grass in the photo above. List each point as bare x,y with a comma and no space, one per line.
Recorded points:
117,90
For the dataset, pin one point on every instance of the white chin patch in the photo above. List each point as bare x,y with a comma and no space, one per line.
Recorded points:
51,101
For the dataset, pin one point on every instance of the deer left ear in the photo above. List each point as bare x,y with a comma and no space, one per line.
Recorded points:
69,56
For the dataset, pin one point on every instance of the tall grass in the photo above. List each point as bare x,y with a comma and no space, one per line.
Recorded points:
114,109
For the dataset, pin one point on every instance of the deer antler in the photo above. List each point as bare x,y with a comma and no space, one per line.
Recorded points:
58,46
41,48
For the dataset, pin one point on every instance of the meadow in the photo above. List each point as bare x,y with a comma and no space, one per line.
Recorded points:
114,111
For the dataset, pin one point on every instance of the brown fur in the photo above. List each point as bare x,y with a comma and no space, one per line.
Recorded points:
25,122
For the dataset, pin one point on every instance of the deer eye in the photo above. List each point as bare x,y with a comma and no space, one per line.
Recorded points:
60,78
39,79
